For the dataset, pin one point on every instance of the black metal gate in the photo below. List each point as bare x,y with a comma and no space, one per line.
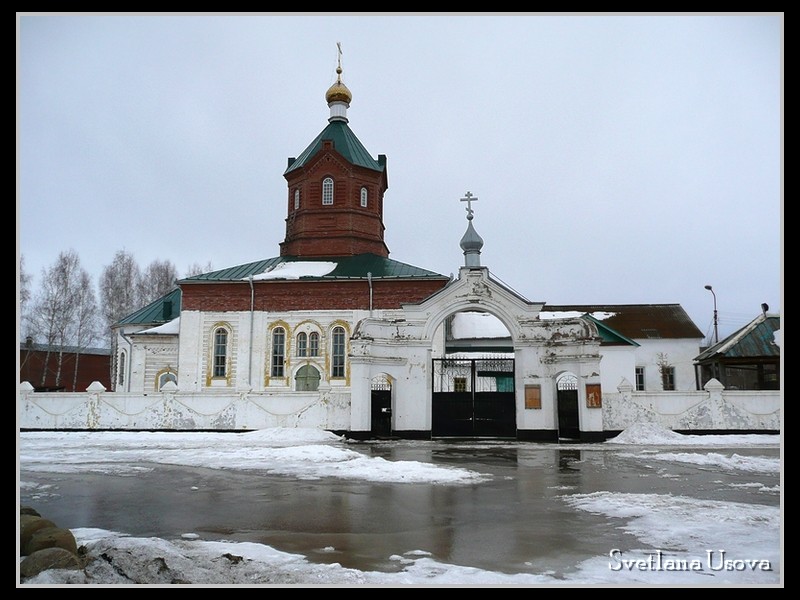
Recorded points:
473,398
381,400
567,398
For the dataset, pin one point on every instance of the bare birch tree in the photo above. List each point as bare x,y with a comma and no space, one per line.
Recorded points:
55,308
119,288
85,325
157,280
24,295
198,269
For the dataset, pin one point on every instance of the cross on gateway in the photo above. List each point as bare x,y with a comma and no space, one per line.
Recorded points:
469,199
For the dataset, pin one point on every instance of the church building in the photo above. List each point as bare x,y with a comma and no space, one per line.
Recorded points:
368,346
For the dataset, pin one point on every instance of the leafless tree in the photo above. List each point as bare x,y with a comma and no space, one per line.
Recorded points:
85,325
665,370
55,308
158,279
24,293
119,288
198,269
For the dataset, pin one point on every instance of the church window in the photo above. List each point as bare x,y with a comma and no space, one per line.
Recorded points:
668,378
313,344
307,379
278,351
121,369
337,353
165,377
220,352
327,191
639,379
296,199
302,344
363,197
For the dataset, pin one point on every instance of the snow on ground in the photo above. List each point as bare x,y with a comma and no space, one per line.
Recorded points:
677,525
118,559
715,460
306,453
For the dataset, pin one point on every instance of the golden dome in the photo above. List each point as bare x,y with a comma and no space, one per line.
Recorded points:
338,92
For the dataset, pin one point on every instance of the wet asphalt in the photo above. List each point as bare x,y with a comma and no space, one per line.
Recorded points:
515,521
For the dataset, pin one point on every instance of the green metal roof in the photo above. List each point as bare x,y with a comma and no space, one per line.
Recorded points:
164,309
345,142
168,307
754,340
347,267
610,335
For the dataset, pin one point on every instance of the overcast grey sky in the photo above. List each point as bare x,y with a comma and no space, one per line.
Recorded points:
616,158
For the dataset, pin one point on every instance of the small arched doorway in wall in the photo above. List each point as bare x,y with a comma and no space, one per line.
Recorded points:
381,406
567,403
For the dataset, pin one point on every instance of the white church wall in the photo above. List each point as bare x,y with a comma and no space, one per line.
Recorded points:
190,351
160,353
396,349
413,389
679,354
616,362
529,372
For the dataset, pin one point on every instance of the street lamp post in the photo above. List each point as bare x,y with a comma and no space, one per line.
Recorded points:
716,328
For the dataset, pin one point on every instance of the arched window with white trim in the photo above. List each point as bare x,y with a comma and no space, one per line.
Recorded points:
302,344
364,197
327,191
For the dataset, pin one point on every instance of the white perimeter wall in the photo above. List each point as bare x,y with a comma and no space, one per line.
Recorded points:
710,409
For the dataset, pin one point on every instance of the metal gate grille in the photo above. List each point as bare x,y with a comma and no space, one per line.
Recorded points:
473,397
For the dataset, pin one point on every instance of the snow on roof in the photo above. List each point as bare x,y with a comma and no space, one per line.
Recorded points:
571,314
472,325
168,328
296,270
478,325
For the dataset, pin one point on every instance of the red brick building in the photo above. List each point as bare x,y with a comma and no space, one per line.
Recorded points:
39,366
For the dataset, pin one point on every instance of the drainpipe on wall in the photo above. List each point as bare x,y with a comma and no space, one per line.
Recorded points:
369,281
250,351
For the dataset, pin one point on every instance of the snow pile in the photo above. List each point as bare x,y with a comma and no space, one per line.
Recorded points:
652,434
647,433
305,453
291,436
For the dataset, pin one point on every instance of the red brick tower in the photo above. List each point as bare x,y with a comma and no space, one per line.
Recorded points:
335,190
